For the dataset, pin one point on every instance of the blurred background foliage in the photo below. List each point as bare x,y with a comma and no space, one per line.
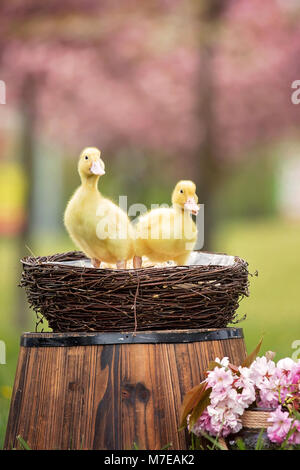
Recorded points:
168,90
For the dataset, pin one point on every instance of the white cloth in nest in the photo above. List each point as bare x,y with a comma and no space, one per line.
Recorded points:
209,259
197,258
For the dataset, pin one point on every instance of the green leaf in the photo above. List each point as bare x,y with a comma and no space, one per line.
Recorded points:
260,441
213,440
167,446
23,443
296,414
285,442
249,359
240,444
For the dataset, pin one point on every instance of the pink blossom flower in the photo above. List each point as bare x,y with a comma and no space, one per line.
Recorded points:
286,364
264,383
234,403
268,398
224,361
285,371
245,386
295,376
281,424
245,372
223,421
204,424
295,373
233,423
219,378
295,437
261,370
218,394
247,395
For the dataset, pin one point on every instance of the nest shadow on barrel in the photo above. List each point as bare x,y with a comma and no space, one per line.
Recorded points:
75,297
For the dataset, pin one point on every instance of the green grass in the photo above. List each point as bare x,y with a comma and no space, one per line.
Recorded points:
272,247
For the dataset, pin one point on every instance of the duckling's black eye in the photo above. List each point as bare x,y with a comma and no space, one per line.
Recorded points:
181,191
86,157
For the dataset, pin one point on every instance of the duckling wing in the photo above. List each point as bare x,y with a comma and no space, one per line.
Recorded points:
114,231
112,222
157,232
164,232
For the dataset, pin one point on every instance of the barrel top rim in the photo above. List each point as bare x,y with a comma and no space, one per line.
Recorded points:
67,339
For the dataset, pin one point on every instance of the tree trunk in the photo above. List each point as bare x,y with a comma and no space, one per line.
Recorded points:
27,154
206,156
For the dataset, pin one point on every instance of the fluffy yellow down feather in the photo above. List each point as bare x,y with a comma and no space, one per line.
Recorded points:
169,234
96,225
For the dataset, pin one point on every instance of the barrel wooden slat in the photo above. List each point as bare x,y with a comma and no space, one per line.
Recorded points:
108,396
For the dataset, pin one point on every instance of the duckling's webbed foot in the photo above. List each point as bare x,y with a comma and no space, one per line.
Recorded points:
137,262
96,262
121,264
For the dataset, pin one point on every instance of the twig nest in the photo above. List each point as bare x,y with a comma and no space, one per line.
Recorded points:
73,296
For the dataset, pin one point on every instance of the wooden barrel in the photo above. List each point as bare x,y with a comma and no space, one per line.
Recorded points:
109,390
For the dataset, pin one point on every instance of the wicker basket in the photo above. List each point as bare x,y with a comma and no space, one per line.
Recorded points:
255,419
74,297
254,422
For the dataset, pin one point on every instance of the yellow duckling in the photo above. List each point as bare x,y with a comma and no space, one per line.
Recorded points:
169,234
95,224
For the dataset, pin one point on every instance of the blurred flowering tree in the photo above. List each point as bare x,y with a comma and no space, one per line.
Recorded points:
198,81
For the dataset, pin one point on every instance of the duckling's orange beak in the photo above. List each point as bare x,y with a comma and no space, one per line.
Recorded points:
97,169
191,205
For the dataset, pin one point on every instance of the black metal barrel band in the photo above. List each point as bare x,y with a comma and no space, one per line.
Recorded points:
151,337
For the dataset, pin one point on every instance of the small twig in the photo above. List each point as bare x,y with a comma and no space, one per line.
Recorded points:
30,250
134,304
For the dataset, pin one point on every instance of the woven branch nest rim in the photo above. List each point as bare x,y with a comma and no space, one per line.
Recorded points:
76,298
